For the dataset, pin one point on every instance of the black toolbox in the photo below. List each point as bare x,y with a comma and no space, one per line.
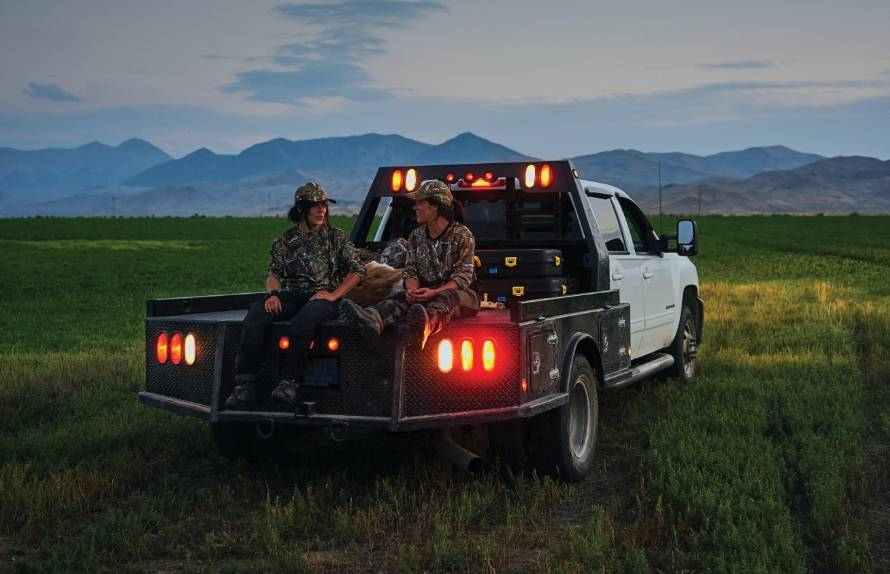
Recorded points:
521,288
518,263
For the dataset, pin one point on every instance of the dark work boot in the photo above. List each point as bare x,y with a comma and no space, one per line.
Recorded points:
244,392
418,328
285,392
367,320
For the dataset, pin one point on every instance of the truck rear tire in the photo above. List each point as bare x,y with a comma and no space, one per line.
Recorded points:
233,440
684,348
564,439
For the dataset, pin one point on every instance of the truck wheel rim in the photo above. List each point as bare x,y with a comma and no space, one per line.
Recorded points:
579,424
689,348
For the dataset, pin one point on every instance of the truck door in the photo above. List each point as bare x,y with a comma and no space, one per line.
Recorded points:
625,268
657,282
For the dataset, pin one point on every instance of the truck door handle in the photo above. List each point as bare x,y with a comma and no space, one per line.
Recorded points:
648,274
617,276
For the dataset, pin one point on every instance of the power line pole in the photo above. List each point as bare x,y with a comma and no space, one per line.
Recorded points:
660,222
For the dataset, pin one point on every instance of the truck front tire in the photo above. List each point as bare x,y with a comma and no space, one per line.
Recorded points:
564,439
684,347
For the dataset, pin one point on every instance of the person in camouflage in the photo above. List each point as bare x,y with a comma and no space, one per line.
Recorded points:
438,273
312,266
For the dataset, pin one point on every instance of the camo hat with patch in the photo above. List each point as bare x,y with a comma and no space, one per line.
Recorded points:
311,192
433,188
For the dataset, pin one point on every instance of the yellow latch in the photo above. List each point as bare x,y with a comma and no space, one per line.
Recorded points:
557,260
518,290
478,262
510,262
565,289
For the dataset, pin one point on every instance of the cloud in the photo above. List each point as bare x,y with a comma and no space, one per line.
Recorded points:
49,92
328,62
739,65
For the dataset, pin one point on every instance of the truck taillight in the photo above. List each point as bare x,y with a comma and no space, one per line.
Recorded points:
410,179
191,349
530,175
546,175
466,355
396,183
446,356
284,343
488,355
162,347
333,344
176,348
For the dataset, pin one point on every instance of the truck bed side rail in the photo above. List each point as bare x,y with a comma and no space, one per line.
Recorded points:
203,304
529,310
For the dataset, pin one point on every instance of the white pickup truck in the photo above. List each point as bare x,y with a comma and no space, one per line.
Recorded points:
579,296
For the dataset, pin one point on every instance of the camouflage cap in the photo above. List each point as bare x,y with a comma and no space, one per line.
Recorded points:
311,192
433,188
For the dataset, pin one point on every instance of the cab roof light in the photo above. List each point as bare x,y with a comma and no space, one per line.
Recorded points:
411,180
530,175
546,175
396,183
445,358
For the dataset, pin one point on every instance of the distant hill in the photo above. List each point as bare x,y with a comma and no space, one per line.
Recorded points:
465,148
47,173
835,185
638,171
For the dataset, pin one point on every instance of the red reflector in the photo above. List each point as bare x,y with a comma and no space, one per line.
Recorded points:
162,349
488,354
284,343
446,356
466,355
546,175
176,348
333,344
396,183
524,385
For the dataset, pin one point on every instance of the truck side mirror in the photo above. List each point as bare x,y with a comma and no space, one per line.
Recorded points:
687,237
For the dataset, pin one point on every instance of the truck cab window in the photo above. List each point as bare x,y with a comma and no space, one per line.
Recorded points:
641,233
607,221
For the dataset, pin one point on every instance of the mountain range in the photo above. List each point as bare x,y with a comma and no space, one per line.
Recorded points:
137,178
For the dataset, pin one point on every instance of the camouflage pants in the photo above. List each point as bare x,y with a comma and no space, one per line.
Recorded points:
447,305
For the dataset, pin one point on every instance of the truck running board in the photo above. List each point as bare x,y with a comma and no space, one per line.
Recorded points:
626,377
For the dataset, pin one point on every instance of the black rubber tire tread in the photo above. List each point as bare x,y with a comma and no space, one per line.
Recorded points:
677,370
551,448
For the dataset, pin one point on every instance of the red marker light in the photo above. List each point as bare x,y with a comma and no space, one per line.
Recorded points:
546,175
469,176
333,344
449,178
524,385
396,184
176,348
446,356
466,355
162,349
488,176
284,344
488,355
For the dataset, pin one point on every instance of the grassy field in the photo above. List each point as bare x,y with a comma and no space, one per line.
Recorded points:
773,460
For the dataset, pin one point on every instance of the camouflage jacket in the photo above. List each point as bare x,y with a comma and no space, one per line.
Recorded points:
449,257
316,261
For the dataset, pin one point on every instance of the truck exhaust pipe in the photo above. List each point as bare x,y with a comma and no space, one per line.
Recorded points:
456,454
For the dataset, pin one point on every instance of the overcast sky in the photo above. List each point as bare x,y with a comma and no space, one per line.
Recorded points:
551,79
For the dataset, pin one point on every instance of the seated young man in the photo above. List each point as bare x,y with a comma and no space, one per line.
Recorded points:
438,272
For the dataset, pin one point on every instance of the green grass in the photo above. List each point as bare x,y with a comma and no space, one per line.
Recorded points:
756,466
